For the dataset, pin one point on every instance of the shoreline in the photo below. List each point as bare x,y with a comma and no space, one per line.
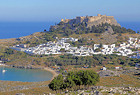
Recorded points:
52,71
4,65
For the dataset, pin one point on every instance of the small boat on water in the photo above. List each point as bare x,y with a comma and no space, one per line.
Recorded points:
3,71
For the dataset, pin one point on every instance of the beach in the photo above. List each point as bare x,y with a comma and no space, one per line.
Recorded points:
52,71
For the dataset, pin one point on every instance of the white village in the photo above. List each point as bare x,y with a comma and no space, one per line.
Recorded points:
50,47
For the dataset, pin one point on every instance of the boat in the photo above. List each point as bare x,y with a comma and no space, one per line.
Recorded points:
3,71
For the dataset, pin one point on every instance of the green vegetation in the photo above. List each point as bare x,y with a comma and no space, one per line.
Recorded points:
49,36
13,57
74,79
8,54
95,60
81,28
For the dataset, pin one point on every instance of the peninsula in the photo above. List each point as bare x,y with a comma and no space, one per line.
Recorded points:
96,43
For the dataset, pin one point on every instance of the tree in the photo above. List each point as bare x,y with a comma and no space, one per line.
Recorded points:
9,51
97,50
73,79
89,77
57,83
101,45
62,50
69,83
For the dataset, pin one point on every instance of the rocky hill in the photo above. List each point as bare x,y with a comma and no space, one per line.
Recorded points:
100,29
90,20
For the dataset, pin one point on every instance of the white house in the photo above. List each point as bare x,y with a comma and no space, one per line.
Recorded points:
104,68
96,46
117,67
108,49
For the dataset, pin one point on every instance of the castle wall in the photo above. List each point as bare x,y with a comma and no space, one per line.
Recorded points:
93,20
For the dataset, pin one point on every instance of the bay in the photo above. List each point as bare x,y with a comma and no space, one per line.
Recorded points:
24,75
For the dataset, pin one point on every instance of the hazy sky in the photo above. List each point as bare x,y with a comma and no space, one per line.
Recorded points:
55,10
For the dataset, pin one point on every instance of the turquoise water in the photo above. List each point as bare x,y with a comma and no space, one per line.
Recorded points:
24,75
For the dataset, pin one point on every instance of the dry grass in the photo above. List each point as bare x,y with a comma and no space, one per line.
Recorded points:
32,87
33,91
122,80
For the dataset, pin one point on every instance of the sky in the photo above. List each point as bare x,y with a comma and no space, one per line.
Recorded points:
55,10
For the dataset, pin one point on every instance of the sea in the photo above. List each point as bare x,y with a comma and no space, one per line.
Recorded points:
24,75
131,25
19,29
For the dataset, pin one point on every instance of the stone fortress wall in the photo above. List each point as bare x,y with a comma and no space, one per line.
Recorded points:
92,20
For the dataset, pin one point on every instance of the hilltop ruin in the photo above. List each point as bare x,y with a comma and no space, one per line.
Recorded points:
92,20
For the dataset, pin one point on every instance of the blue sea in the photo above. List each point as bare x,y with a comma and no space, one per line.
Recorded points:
18,29
131,25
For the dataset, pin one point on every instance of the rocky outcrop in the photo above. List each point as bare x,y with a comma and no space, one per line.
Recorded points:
101,90
92,20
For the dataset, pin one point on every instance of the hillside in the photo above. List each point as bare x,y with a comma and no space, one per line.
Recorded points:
95,29
103,32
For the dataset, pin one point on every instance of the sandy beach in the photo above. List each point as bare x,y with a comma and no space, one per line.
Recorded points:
52,71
